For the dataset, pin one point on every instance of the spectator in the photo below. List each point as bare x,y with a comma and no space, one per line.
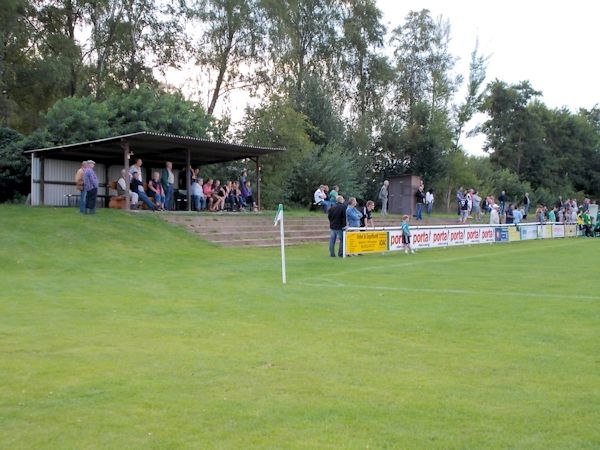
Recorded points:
320,199
353,215
333,194
420,201
198,199
367,217
502,201
337,223
587,223
383,197
539,215
406,235
137,167
155,190
219,195
552,215
495,215
476,199
207,190
80,187
526,205
243,177
509,214
460,196
248,197
167,180
464,209
122,189
90,184
429,202
137,186
517,216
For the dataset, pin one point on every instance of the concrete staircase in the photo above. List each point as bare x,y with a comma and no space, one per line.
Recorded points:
249,229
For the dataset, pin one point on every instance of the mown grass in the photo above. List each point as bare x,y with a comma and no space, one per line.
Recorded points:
120,331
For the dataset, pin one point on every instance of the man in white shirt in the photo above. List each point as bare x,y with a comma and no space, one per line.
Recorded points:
320,198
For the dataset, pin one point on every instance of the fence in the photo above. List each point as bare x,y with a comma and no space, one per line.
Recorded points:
389,239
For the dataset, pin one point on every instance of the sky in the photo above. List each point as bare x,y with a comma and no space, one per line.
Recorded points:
552,44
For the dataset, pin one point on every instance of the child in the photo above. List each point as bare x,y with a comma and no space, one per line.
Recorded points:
406,235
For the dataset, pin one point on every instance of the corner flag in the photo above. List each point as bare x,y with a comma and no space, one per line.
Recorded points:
279,220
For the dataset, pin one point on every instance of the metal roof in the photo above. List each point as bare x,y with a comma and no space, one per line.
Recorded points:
154,148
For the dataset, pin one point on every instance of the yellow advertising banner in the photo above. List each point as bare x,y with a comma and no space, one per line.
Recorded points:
513,234
366,242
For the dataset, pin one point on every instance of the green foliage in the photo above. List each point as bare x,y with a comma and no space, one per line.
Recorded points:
78,119
331,165
14,167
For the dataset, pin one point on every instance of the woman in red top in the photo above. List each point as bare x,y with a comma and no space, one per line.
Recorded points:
156,190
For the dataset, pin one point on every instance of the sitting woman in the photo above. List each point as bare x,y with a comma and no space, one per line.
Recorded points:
208,193
230,201
247,195
155,190
237,197
219,195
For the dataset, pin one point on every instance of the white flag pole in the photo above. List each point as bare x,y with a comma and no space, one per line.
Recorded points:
279,218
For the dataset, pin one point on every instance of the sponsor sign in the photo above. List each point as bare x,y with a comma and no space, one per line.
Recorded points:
487,235
457,236
528,232
473,236
501,234
558,231
570,230
366,242
439,238
545,231
514,234
420,238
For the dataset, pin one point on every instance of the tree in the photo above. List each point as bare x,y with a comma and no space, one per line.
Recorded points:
230,43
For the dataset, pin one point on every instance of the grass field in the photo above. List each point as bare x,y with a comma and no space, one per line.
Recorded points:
121,331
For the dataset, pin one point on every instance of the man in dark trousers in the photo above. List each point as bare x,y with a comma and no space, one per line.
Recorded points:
337,223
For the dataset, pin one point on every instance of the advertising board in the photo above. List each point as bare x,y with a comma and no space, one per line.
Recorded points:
558,231
487,235
456,236
544,231
570,230
514,234
439,237
366,242
501,234
528,232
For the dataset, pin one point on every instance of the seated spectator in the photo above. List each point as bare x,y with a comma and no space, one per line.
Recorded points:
247,195
219,194
122,186
230,200
208,194
198,199
137,187
156,191
320,199
236,197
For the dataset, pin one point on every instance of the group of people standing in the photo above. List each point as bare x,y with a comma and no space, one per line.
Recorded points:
87,184
343,215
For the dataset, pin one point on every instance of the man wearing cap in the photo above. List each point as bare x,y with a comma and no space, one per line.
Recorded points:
79,186
90,184
494,215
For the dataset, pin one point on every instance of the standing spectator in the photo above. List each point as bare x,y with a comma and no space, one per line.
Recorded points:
476,199
406,235
495,215
90,184
337,223
80,187
198,200
587,223
156,191
353,215
383,197
248,197
517,216
539,215
552,215
429,201
460,195
420,201
167,179
464,210
367,217
137,167
502,201
243,177
509,214
137,186
526,205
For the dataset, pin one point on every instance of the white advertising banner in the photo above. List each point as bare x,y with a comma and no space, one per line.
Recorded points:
395,238
558,231
473,236
421,238
439,238
528,232
487,235
457,236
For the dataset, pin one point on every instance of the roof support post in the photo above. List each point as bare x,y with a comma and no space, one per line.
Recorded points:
126,156
188,178
42,179
258,202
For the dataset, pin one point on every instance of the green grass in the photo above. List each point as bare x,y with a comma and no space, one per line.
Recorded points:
121,331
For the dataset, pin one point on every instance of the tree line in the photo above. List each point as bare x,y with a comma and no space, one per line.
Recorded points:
352,101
